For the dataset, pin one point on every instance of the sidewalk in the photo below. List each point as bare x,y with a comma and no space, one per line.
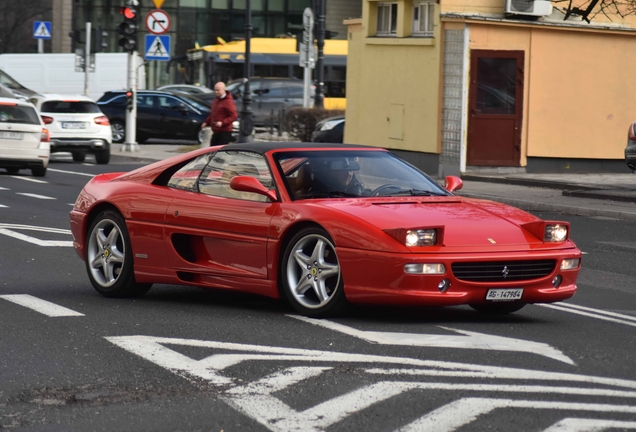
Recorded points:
607,195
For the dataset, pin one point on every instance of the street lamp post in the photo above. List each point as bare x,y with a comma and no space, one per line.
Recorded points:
246,126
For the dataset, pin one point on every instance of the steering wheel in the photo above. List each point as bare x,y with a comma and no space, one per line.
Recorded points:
383,188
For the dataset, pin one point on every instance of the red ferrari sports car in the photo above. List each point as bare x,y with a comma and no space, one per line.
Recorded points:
320,225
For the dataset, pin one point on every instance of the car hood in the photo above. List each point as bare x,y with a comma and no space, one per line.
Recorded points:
465,222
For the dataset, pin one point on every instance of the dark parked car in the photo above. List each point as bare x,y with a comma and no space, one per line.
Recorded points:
329,130
159,115
269,96
630,150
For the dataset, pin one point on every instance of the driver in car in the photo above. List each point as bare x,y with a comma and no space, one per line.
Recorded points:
342,172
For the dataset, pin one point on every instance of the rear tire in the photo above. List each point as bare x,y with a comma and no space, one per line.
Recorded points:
498,308
103,157
79,157
119,131
38,171
109,257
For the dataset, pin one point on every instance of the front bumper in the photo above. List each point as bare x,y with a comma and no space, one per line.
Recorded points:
375,277
86,145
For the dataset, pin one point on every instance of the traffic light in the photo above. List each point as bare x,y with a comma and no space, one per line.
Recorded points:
128,28
129,100
98,40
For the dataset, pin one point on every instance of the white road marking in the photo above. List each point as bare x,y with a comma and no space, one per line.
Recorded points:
30,179
72,172
471,340
35,196
33,240
598,311
589,425
464,411
4,188
257,399
562,307
210,368
42,306
3,206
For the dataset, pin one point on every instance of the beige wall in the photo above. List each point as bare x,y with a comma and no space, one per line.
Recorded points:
392,89
578,89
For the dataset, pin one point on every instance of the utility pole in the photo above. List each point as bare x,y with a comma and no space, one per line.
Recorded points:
87,58
320,43
246,126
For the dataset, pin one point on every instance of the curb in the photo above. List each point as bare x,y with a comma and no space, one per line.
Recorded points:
528,182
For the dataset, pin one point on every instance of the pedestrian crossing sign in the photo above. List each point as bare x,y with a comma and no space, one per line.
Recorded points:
157,47
42,29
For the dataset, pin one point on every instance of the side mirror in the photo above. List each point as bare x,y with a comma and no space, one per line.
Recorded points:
250,184
453,183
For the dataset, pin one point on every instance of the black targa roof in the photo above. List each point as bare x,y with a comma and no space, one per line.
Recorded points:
264,147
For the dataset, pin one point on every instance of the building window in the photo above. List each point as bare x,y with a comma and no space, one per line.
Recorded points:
423,14
387,19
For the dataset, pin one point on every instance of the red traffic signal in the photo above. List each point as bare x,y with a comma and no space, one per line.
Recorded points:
128,12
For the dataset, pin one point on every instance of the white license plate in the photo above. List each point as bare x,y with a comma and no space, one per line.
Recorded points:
504,294
74,125
11,135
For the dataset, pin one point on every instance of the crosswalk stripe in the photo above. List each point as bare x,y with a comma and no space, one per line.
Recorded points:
3,206
4,188
35,195
42,306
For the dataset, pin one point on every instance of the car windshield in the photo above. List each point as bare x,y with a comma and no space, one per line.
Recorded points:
70,107
198,104
18,114
233,85
6,80
341,174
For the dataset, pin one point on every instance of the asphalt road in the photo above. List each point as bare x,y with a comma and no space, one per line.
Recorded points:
185,359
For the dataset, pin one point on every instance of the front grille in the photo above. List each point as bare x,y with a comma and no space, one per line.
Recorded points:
494,271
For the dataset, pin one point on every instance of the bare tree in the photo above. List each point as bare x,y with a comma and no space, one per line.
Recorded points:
588,9
16,23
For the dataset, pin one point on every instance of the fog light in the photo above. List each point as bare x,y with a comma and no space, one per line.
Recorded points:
424,269
444,285
557,281
570,264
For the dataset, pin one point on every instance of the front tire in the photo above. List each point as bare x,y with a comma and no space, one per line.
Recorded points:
497,308
109,258
311,275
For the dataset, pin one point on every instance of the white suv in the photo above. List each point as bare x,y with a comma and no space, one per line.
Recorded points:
76,124
24,142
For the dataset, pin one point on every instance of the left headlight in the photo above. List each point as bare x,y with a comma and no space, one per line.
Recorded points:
417,237
555,233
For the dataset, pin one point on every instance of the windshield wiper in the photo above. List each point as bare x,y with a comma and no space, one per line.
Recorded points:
414,192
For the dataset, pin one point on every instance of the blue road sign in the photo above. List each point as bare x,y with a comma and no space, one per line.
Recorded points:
157,47
42,29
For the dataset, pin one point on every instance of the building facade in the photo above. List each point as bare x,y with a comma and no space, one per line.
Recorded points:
469,85
193,22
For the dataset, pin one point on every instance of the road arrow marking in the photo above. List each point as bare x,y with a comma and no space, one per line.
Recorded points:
471,340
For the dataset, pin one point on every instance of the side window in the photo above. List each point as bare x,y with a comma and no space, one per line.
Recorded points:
118,101
186,177
145,101
167,102
225,165
275,89
296,91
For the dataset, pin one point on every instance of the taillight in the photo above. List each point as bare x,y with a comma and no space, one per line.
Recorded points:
47,119
632,132
103,120
46,136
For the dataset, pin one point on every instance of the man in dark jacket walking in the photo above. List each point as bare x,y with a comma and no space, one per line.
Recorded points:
222,115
